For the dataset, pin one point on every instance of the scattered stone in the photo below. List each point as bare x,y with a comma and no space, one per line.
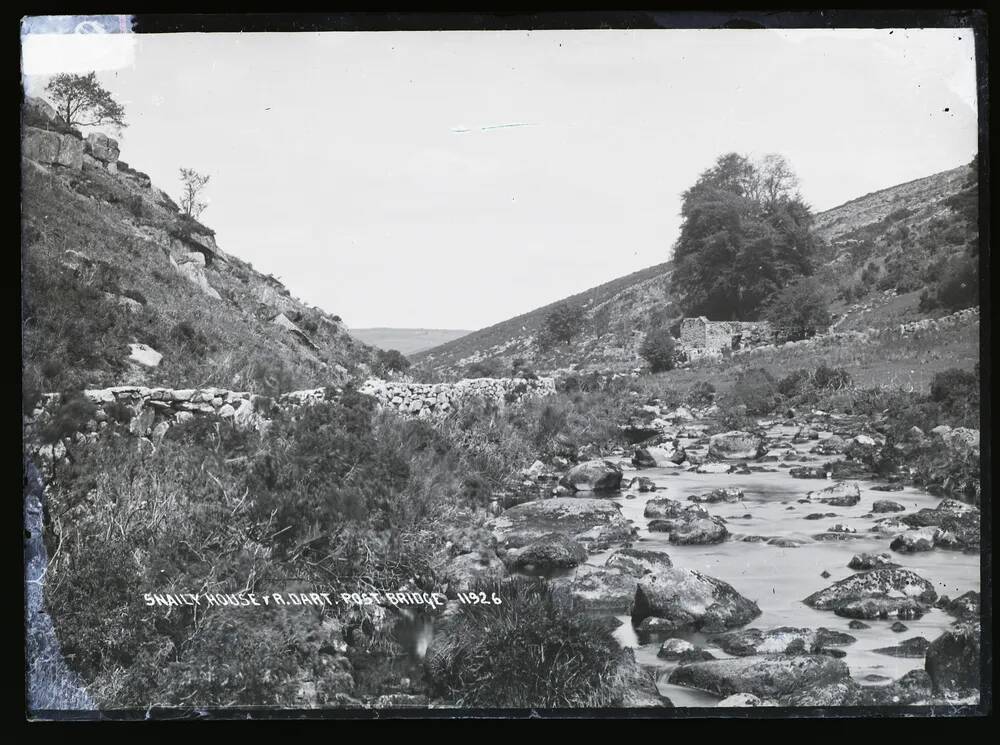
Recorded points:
642,484
808,472
886,505
858,625
144,355
913,541
730,494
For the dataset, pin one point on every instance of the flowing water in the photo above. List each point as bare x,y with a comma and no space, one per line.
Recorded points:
777,578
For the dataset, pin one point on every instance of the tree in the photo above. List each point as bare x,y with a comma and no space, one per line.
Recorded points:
392,360
659,349
561,325
798,311
193,185
81,101
745,234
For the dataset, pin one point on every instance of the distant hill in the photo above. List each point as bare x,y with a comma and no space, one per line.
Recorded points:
407,341
879,252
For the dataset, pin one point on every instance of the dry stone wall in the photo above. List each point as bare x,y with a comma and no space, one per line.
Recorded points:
150,412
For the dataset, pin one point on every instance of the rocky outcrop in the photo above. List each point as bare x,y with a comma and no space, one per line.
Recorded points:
101,147
687,600
52,148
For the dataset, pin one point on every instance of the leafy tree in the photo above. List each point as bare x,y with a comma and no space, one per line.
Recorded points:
745,234
392,360
193,184
798,311
561,325
659,349
81,101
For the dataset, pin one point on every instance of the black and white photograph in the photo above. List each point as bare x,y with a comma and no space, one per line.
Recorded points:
505,366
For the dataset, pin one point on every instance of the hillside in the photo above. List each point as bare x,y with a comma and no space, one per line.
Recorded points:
407,341
888,249
616,314
120,288
881,254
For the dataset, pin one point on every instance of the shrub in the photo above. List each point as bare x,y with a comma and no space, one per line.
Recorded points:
68,418
392,360
525,652
795,383
484,369
659,350
701,393
798,311
836,378
757,390
958,287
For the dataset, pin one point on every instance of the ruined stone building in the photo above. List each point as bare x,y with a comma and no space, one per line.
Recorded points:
703,338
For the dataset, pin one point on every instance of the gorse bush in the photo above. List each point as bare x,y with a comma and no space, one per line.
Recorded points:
659,349
526,652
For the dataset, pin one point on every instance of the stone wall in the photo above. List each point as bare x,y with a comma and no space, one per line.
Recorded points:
439,399
150,412
700,337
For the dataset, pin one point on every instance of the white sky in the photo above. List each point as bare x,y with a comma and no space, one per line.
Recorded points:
336,165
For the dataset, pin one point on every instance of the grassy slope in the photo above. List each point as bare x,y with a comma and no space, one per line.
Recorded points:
616,313
407,341
76,332
865,231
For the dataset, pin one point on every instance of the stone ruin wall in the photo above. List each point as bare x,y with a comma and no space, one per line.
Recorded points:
150,412
700,337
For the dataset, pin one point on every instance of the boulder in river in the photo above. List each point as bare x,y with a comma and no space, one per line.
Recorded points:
637,561
689,600
886,505
642,484
735,445
841,494
865,561
691,527
743,700
727,494
665,507
959,524
888,582
681,650
593,475
767,676
913,688
914,647
550,551
964,607
597,589
808,472
596,523
882,607
832,445
953,661
658,457
913,541
748,642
